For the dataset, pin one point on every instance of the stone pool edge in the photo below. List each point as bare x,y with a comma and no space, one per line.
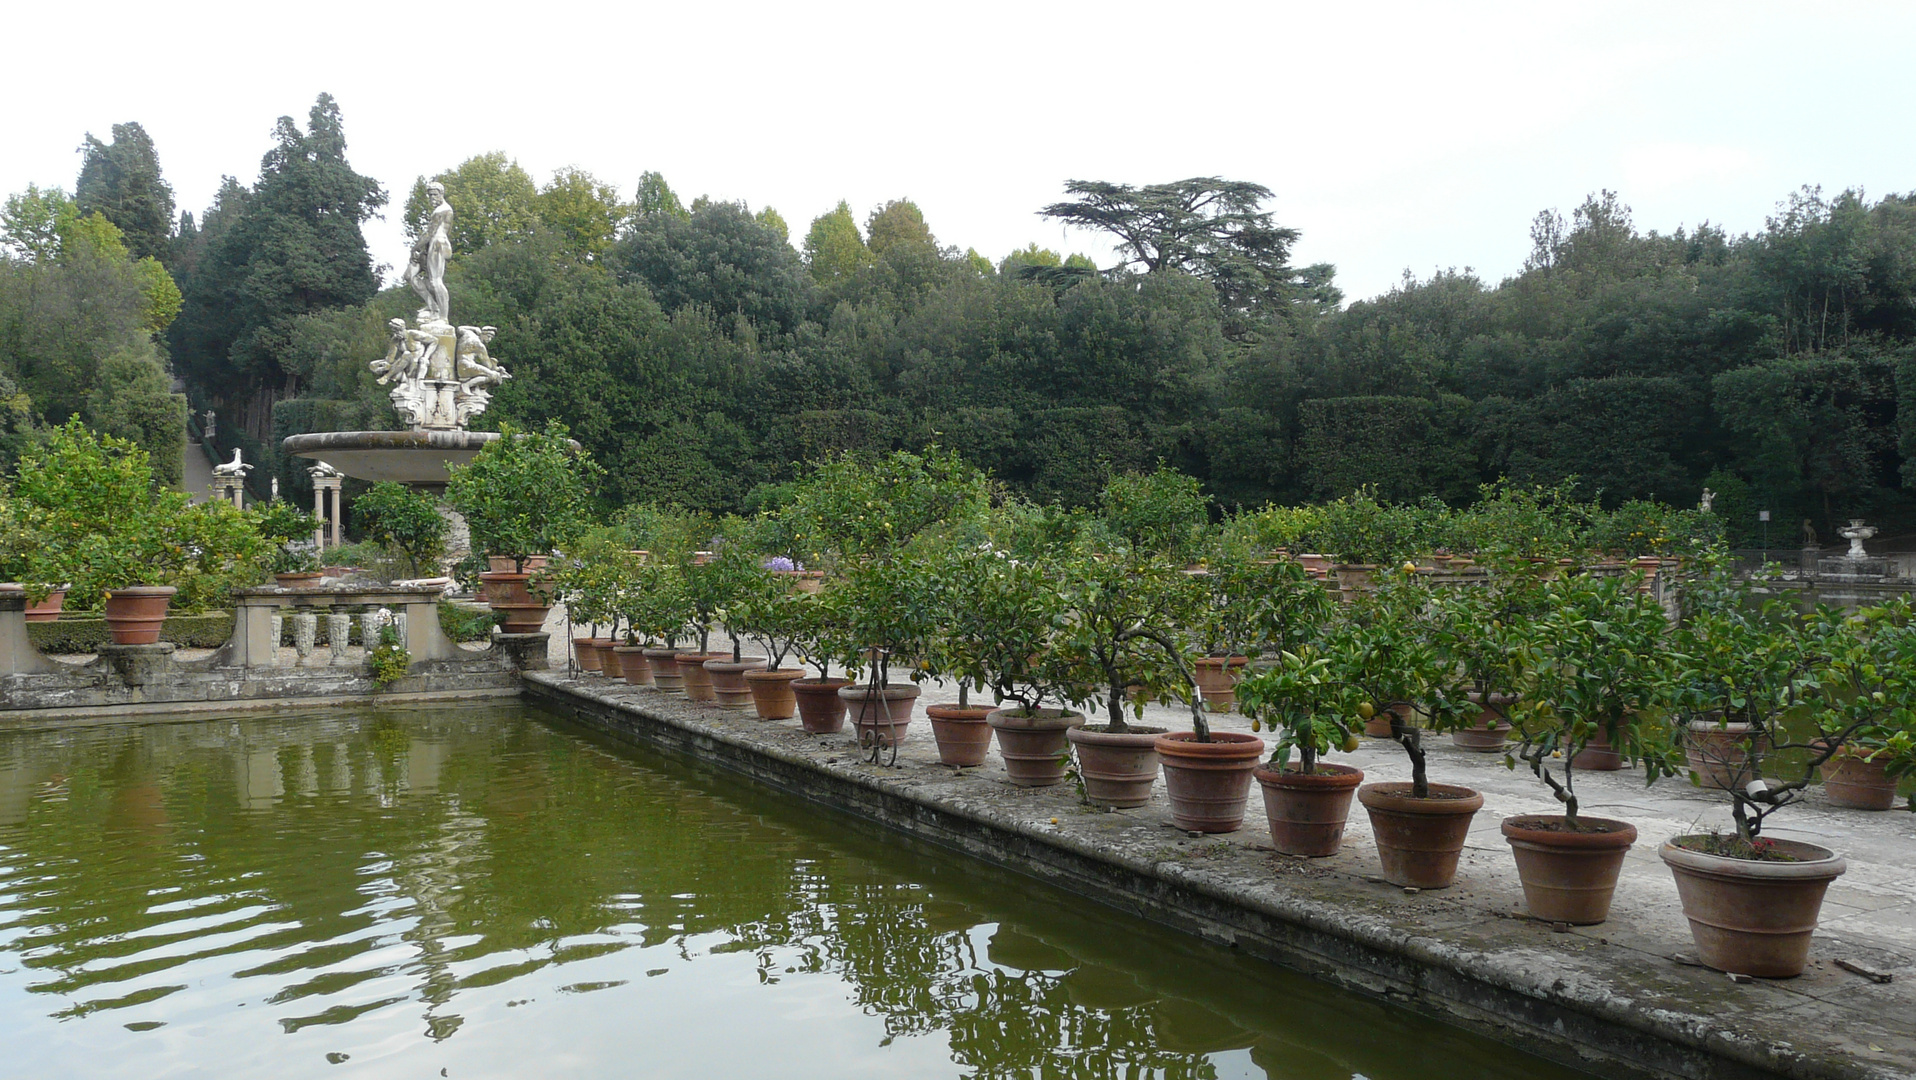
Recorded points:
1581,1021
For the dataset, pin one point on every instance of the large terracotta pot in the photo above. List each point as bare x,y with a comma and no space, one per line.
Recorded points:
586,650
665,669
134,615
772,692
1033,746
1208,781
881,715
1852,782
1568,877
632,665
963,735
1597,755
1119,768
729,687
1751,916
820,710
1308,811
502,587
698,681
1419,840
521,618
48,610
1488,732
1216,678
1378,726
1720,753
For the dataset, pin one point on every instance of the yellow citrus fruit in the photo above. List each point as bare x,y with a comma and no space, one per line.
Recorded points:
1366,710
1350,744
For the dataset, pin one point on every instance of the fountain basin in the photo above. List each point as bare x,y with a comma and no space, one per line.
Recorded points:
418,458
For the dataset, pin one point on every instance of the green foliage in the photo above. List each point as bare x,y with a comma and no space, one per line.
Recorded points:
1128,618
997,620
655,198
721,259
388,661
405,521
1401,447
863,510
493,201
466,622
121,180
1361,530
1160,513
834,250
1303,698
583,210
526,493
290,530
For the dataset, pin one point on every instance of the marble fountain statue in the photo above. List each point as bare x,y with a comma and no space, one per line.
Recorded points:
439,372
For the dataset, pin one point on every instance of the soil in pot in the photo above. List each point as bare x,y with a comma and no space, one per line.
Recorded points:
1119,768
587,651
1720,753
772,692
880,715
963,735
1849,781
1568,876
1208,781
665,669
820,710
1216,678
1752,916
729,687
1034,746
134,615
1308,811
632,665
698,681
1419,840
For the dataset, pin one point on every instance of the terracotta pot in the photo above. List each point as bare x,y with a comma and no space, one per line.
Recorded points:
1749,916
1354,577
521,618
1851,782
729,687
502,564
666,675
1419,840
1119,768
1216,678
135,614
504,587
772,692
1378,726
48,610
1033,746
1597,755
882,715
586,651
698,681
632,665
304,579
1208,781
820,710
1720,753
1308,811
1488,733
962,735
1568,877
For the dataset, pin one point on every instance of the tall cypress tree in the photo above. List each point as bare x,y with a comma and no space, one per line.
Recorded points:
121,181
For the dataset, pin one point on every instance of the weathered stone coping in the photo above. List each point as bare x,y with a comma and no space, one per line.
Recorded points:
1601,998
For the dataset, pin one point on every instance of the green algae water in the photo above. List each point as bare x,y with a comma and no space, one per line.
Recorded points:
489,891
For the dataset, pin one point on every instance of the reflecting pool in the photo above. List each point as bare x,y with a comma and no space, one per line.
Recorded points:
489,891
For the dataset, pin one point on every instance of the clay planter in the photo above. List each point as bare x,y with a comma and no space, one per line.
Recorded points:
665,670
305,579
1308,811
1850,781
521,618
502,564
820,710
134,615
1033,746
883,715
1488,733
1216,678
729,687
1208,781
48,610
698,681
772,692
1119,768
1597,755
586,650
1749,916
1378,726
1720,754
1419,840
508,588
632,665
1568,877
963,736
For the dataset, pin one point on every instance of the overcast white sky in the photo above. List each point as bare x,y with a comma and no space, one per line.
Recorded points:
1397,136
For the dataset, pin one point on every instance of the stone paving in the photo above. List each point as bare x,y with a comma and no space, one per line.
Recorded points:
1827,1023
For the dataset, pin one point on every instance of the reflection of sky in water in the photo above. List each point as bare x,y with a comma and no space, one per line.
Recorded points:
475,891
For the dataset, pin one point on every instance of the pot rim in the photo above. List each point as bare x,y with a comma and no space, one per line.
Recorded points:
970,714
1328,777
1225,745
809,683
854,691
1826,866
698,658
747,663
1046,720
142,592
1142,737
1393,796
1515,829
789,674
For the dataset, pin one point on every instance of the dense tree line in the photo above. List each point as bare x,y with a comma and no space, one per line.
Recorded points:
702,350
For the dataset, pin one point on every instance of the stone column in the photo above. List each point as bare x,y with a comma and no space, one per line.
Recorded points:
339,517
230,489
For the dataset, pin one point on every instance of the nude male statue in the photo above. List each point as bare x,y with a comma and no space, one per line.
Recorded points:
426,266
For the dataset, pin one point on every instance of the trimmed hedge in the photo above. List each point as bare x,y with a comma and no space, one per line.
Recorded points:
86,634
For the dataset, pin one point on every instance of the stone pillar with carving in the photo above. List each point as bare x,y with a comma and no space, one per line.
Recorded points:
326,490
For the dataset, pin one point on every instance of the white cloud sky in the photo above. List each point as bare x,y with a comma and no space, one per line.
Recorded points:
1396,135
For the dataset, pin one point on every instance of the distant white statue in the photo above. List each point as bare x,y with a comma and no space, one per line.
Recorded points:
1709,497
235,467
426,266
210,418
1856,532
323,471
